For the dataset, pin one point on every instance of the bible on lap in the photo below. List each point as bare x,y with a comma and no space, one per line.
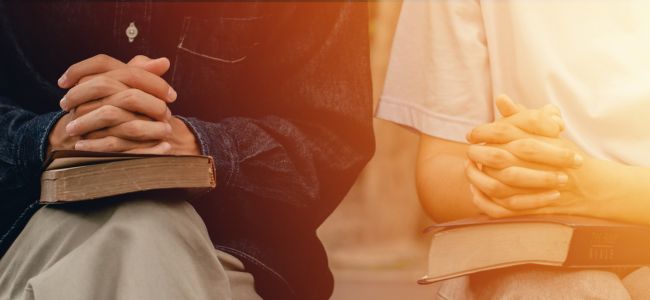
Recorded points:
79,175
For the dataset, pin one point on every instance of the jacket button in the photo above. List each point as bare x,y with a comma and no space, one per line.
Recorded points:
131,32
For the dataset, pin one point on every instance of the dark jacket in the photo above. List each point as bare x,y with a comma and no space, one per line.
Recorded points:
278,94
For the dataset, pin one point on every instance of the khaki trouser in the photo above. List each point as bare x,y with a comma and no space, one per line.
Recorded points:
133,249
538,282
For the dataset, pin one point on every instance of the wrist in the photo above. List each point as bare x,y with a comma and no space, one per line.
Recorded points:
58,138
612,190
182,138
592,188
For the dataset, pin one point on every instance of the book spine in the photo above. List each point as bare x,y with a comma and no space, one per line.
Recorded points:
609,246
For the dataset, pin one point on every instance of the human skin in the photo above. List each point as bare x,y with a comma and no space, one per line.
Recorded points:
443,187
508,170
118,107
511,169
595,187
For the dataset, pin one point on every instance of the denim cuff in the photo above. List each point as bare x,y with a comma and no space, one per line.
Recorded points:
215,141
33,141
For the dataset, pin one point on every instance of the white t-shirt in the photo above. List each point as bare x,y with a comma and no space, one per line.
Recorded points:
589,57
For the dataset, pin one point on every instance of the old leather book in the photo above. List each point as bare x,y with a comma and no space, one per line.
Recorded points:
479,244
80,175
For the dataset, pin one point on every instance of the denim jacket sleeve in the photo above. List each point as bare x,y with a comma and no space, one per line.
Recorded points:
306,149
23,143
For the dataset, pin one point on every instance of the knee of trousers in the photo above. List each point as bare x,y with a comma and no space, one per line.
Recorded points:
157,223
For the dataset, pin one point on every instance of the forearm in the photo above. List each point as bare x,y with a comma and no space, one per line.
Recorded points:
443,188
617,191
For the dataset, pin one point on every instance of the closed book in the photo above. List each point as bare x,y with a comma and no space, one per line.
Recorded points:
71,175
479,244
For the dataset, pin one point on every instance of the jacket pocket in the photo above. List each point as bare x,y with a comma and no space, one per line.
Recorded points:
226,40
211,58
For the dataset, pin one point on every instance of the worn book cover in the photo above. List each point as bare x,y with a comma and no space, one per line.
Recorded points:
71,175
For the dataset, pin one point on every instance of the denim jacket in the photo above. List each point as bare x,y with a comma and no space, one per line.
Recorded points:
278,94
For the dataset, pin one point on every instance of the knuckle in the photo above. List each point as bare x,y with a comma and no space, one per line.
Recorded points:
139,57
502,132
497,157
510,175
134,129
492,188
102,80
131,96
111,142
133,74
109,113
101,85
500,129
534,120
526,147
102,58
497,129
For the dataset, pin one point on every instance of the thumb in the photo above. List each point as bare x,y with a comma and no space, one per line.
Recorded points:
506,106
157,66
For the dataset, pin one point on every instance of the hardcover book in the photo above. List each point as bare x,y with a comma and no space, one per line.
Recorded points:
479,244
81,175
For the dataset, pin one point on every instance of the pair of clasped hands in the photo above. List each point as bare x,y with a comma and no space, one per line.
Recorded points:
120,107
520,165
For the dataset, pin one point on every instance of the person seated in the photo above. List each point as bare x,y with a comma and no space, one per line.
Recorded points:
278,94
584,154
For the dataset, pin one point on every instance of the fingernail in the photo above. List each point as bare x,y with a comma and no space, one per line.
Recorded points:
562,179
578,160
62,79
63,104
70,128
168,128
171,94
169,114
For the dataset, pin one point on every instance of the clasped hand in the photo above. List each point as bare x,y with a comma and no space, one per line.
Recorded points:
519,164
118,107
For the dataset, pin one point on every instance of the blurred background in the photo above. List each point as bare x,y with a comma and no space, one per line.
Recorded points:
374,238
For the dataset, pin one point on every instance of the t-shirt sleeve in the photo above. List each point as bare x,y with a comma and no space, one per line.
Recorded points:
438,79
